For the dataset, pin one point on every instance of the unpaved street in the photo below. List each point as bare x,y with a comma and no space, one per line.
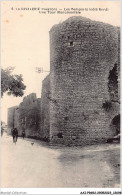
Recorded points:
34,166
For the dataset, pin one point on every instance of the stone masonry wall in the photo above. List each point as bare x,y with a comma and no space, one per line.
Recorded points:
82,54
45,112
27,116
10,119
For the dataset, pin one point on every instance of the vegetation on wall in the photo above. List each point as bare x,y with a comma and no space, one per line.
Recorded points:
113,84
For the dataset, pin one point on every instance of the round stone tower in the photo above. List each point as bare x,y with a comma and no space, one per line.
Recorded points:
82,55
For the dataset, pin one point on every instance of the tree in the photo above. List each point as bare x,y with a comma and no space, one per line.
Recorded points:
12,84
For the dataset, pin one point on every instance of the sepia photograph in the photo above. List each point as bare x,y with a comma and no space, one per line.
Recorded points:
60,95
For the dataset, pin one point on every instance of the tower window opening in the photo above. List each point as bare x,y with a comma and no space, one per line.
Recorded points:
60,135
78,26
71,43
66,118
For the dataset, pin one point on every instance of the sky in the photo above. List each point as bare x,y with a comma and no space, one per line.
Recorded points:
25,38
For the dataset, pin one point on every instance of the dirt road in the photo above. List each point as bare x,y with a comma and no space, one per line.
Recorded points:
27,165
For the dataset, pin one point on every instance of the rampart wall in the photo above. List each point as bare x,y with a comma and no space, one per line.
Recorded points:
82,54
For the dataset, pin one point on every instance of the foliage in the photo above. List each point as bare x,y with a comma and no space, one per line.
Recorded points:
12,84
113,83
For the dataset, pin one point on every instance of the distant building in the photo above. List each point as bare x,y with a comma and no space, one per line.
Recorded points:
26,116
11,118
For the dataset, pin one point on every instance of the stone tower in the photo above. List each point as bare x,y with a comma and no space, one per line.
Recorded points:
84,54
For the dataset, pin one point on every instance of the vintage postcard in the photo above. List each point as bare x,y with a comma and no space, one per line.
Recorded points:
60,97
